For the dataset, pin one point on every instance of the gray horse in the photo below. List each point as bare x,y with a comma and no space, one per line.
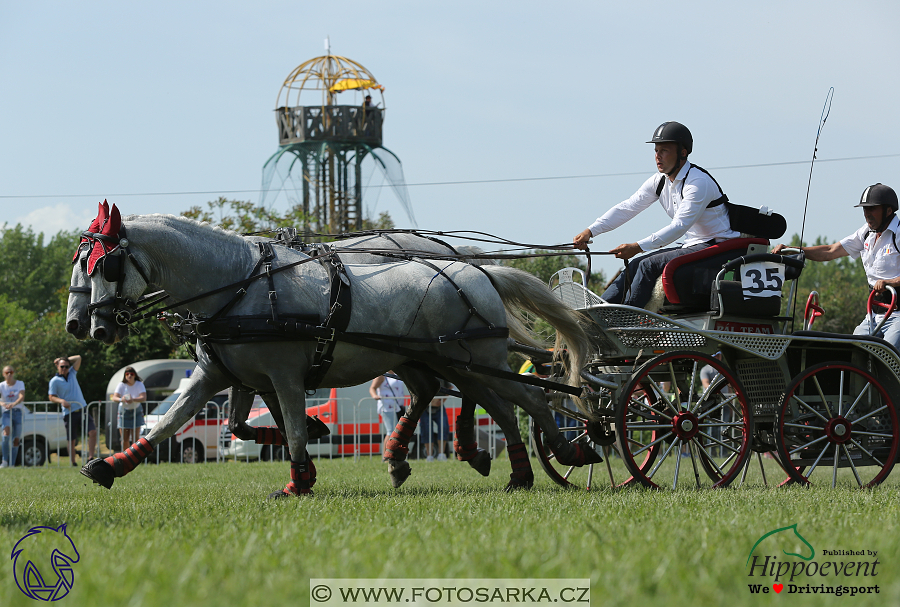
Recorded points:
408,302
365,249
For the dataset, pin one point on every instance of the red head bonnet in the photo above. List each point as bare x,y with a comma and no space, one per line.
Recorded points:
107,223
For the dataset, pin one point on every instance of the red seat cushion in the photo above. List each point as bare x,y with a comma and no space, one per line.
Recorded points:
737,246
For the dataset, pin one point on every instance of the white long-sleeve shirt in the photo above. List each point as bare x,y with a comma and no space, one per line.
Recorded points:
684,200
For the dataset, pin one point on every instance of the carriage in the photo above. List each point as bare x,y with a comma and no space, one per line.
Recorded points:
653,415
818,405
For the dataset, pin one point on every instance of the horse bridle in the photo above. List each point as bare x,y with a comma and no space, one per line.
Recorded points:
112,267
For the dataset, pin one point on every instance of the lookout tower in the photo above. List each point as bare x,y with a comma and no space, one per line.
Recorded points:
328,152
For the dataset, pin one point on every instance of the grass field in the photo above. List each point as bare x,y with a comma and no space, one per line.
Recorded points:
205,534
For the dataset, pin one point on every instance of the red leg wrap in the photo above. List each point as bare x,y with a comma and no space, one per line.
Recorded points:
269,435
396,447
312,470
125,462
518,460
464,452
300,477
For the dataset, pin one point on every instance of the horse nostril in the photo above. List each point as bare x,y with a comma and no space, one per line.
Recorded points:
72,326
99,334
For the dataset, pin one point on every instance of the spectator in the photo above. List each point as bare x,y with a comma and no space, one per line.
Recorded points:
435,416
12,394
391,395
130,393
64,390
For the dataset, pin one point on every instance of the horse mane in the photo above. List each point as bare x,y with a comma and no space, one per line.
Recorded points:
177,221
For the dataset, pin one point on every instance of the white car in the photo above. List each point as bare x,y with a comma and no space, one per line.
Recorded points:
43,434
196,441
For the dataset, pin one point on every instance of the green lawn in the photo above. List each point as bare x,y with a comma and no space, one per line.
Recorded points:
205,534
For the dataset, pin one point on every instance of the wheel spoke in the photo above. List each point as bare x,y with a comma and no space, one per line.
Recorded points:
677,465
841,394
646,427
867,452
862,392
675,390
879,435
818,459
718,442
711,462
646,406
809,444
822,396
721,425
645,447
663,458
799,400
717,407
662,396
870,414
837,457
568,472
852,466
803,426
691,389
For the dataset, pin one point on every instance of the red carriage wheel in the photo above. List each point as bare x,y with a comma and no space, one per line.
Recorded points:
695,430
838,425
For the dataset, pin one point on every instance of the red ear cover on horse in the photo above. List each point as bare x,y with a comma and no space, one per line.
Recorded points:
110,223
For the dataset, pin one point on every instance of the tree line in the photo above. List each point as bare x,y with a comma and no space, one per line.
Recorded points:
35,274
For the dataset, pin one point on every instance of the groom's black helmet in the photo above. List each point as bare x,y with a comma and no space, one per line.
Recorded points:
878,195
674,132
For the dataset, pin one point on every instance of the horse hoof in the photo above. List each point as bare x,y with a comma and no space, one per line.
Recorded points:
276,495
516,484
481,462
316,428
399,471
100,472
590,455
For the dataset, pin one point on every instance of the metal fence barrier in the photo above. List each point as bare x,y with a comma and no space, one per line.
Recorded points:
356,431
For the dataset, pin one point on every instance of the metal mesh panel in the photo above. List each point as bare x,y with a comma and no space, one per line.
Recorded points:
885,355
621,318
770,347
660,339
764,382
573,294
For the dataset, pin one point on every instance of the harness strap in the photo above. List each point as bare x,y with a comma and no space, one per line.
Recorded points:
717,202
338,319
473,311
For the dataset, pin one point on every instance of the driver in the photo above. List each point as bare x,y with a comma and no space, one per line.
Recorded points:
876,242
689,195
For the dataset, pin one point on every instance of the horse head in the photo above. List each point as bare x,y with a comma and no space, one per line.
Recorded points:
115,281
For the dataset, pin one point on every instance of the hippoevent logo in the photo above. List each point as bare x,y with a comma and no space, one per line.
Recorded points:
42,563
838,571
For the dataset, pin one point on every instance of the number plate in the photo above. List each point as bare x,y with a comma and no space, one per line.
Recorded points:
762,279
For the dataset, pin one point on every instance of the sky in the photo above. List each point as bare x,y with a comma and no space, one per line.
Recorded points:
162,106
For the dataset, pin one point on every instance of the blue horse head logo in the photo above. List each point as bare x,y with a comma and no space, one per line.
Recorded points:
42,563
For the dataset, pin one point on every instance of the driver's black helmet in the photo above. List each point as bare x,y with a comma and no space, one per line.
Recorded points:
675,132
877,195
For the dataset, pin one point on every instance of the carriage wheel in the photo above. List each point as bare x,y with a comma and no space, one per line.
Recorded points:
837,415
598,435
665,407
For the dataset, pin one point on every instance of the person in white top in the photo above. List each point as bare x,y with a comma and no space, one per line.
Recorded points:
130,393
12,394
391,395
689,195
876,243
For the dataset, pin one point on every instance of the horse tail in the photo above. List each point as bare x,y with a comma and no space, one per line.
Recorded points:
521,291
470,250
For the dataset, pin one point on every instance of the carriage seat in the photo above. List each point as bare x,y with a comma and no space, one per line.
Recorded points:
687,281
